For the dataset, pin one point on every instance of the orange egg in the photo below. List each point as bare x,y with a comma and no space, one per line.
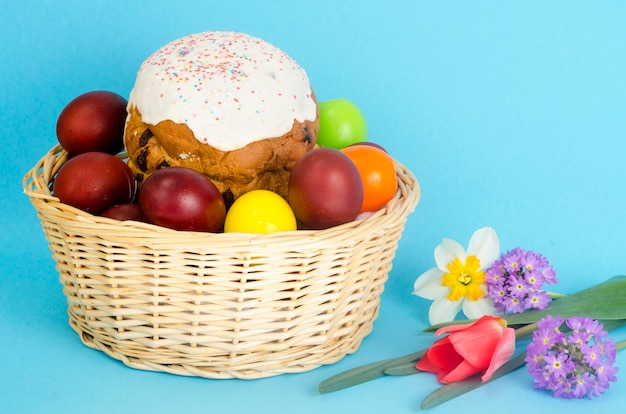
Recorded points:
377,172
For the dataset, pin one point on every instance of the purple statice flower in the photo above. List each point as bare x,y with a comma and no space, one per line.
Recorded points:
570,357
514,281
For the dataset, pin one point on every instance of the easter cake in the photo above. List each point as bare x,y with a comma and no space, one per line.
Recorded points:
226,104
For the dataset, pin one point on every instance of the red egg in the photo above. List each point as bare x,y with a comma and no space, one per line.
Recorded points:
325,189
94,181
182,199
93,121
122,212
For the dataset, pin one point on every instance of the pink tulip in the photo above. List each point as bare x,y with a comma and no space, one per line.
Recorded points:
482,346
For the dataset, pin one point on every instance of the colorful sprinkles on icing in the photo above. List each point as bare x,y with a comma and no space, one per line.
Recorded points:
229,88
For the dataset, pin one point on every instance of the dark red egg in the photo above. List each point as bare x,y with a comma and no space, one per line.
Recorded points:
325,189
94,181
122,212
182,199
93,121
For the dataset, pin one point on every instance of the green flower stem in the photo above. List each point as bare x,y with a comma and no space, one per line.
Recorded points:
393,367
369,372
525,331
455,389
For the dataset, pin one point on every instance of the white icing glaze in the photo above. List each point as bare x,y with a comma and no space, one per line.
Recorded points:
230,89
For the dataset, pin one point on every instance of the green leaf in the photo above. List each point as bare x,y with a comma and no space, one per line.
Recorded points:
606,301
406,369
366,373
453,390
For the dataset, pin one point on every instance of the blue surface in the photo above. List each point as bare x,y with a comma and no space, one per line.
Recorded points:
511,115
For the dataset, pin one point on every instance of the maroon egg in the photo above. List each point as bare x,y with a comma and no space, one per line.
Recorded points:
325,189
122,212
182,199
93,121
94,181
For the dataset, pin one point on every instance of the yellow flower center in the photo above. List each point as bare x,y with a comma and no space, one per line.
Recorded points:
464,279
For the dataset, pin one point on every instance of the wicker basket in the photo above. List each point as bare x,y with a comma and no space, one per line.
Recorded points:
219,305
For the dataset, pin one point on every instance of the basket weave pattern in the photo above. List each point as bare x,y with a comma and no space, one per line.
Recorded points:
219,305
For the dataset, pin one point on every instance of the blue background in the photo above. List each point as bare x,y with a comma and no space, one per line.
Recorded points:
510,114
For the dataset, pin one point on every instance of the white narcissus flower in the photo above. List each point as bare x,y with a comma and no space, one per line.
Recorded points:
458,281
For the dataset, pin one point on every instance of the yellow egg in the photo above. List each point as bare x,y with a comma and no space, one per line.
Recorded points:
260,211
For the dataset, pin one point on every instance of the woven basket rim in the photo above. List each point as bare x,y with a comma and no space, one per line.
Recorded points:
36,182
